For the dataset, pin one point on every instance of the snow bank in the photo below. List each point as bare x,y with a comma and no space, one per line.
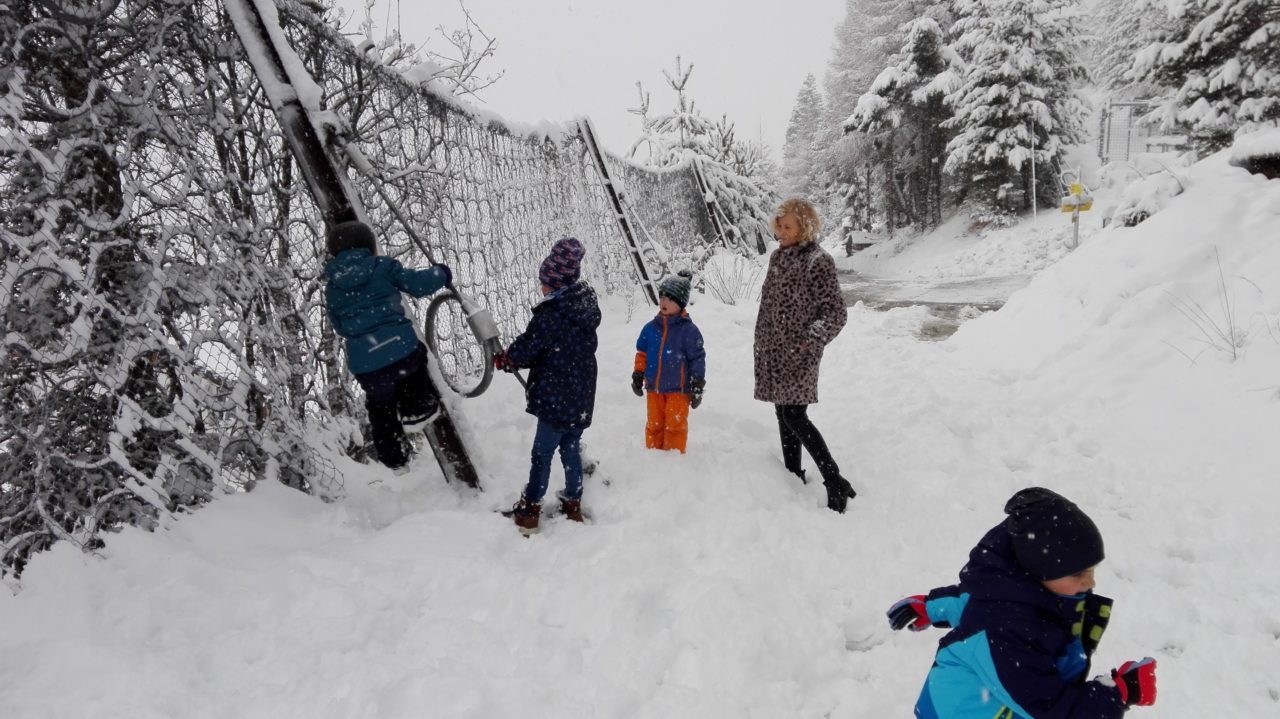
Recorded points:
959,249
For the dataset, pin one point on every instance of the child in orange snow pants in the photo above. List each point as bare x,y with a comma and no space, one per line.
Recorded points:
671,365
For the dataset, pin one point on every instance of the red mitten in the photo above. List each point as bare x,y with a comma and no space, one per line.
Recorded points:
909,612
1136,682
502,362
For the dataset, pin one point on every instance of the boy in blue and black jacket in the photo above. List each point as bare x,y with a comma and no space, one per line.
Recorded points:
559,348
363,297
1024,624
672,364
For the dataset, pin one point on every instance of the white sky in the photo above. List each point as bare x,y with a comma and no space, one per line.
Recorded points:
564,58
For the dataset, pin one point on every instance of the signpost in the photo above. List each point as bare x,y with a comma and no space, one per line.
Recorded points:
1077,201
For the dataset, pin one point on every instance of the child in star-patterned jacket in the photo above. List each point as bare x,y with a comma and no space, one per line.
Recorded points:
559,348
672,364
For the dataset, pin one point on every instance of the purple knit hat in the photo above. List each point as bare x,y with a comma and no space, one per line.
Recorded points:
563,265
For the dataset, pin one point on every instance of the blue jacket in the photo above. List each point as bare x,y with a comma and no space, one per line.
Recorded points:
1017,650
559,348
669,352
363,298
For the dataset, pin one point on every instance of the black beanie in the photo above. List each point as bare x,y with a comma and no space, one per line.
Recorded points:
1051,537
351,235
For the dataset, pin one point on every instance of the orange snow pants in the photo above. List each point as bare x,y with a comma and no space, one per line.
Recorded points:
668,425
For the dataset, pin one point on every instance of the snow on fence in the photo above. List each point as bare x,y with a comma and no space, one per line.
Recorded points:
160,259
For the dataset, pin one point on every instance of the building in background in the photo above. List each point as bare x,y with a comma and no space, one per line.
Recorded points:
1123,136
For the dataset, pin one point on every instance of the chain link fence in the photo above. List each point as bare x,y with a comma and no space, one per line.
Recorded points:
161,263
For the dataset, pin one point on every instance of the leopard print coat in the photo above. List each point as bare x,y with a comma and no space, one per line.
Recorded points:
801,310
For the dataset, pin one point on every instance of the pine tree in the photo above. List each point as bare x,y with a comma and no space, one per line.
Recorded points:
683,131
799,153
1224,61
905,110
866,40
1120,30
1018,102
725,165
865,43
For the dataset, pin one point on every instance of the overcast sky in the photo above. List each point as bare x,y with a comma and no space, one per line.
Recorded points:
564,58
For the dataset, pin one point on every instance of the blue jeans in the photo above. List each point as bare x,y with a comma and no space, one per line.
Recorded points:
545,442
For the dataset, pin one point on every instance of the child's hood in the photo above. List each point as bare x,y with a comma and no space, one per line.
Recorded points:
351,268
577,303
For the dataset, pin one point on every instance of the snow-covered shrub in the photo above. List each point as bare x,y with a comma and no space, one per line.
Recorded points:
1146,196
1258,152
732,278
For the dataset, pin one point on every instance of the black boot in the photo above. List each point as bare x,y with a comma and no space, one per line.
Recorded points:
800,473
839,492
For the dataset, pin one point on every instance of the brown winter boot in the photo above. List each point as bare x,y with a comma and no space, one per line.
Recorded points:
571,508
525,514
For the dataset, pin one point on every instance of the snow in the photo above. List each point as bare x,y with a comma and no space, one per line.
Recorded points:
713,584
1262,143
958,248
1147,196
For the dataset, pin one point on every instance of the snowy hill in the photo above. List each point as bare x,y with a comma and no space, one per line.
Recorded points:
714,584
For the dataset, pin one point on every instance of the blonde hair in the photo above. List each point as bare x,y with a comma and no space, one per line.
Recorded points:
806,216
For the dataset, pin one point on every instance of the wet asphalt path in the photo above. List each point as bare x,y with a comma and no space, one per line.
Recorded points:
946,299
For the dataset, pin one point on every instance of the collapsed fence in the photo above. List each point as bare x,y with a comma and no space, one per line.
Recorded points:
161,262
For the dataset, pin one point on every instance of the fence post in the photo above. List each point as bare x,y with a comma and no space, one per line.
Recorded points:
624,225
713,204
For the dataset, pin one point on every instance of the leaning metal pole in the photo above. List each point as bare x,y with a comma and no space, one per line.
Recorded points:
619,215
326,178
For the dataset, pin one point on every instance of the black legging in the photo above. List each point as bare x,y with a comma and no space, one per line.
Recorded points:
796,430
402,390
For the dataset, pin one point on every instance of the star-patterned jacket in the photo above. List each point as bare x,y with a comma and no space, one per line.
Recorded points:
559,348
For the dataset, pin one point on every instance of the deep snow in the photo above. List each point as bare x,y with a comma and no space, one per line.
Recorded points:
713,584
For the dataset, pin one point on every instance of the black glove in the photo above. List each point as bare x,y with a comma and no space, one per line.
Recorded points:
696,386
637,383
448,273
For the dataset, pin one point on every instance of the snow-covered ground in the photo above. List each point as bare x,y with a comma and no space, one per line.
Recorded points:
960,249
714,584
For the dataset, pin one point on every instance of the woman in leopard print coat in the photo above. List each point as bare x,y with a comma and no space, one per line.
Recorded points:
801,310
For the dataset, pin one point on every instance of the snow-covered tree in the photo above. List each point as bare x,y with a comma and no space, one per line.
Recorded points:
866,41
683,131
1018,106
1119,30
904,111
800,169
1224,62
455,63
742,199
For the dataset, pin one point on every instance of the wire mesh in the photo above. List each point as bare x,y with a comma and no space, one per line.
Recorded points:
161,263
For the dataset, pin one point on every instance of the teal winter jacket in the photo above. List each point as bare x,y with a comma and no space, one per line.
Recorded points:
363,297
1015,649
